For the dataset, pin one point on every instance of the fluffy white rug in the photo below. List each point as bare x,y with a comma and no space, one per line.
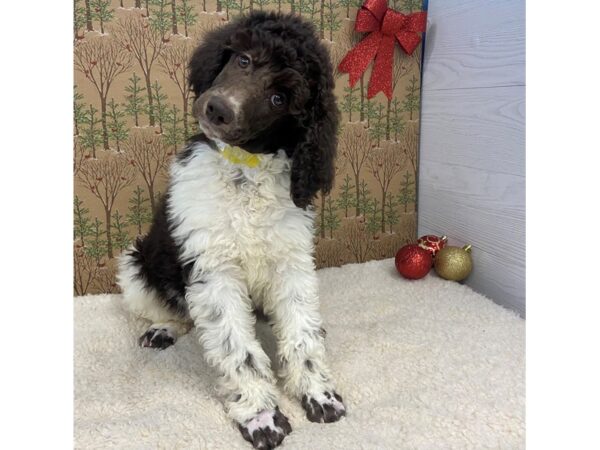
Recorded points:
425,364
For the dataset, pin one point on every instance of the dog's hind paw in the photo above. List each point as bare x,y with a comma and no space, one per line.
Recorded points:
267,429
159,338
328,407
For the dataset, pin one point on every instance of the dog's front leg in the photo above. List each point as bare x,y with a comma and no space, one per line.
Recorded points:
221,310
294,307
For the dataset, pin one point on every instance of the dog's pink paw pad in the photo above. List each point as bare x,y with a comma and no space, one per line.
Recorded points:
328,407
267,429
159,338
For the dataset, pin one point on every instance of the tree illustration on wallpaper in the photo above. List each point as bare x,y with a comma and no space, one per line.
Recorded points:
406,196
105,280
187,16
160,19
384,164
88,16
145,44
292,4
159,104
79,19
346,199
85,272
369,111
412,101
149,156
392,216
229,4
79,156
331,19
174,20
121,238
91,138
412,5
347,4
106,178
321,23
174,63
372,214
400,69
396,120
79,113
354,146
409,145
354,233
117,127
350,101
97,245
363,204
102,12
138,212
101,60
340,166
378,126
330,251
312,8
348,39
134,105
332,221
82,224
173,134
262,3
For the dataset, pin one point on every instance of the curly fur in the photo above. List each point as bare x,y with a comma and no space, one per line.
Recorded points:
287,41
229,239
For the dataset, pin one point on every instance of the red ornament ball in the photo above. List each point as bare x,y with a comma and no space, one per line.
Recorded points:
413,262
432,243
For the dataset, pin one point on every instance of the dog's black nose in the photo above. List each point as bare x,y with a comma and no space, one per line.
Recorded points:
218,111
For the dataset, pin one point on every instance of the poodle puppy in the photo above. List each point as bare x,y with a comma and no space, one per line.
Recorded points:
234,232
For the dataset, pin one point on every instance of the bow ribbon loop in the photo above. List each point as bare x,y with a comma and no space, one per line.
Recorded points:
384,26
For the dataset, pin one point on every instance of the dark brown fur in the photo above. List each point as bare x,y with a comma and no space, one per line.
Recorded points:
286,58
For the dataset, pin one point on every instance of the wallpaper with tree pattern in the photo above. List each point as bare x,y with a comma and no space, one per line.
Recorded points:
132,113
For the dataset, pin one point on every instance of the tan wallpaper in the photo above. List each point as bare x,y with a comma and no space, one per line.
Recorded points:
132,114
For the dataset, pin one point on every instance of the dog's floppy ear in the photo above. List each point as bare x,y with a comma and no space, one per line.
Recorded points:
209,58
314,157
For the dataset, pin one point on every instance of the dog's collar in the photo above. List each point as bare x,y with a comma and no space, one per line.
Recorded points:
237,155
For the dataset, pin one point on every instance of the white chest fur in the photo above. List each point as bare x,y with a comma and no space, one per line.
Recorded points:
232,215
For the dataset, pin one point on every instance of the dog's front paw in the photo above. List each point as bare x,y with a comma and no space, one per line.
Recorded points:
159,338
327,407
267,429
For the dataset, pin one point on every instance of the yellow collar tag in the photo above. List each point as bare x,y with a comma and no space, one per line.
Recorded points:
237,155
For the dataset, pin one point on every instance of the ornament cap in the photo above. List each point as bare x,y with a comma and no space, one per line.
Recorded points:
467,248
444,238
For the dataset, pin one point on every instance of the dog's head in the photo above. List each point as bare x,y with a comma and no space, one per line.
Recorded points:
264,83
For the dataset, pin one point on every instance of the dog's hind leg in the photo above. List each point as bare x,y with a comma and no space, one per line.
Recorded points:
219,304
144,302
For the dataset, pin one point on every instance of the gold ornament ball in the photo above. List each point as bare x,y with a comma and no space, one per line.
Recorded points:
454,263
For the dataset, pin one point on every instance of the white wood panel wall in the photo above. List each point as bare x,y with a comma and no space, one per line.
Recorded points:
472,162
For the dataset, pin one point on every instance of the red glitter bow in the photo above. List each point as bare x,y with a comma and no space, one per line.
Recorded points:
384,25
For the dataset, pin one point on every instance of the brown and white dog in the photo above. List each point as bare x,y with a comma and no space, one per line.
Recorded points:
232,237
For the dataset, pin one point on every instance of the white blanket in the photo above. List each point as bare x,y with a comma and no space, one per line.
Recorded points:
425,364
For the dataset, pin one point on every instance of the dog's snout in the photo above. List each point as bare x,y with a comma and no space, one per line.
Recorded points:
219,112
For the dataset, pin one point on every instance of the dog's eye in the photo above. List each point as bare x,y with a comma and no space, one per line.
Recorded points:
243,61
277,99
